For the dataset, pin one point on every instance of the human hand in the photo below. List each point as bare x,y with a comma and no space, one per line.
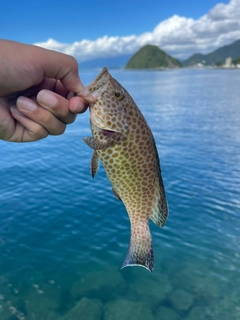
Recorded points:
37,89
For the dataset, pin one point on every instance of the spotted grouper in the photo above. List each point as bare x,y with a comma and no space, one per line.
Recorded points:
123,142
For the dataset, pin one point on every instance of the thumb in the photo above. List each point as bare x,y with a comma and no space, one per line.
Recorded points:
61,67
71,80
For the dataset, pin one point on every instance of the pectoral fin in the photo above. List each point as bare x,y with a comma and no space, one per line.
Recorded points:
94,166
100,145
94,143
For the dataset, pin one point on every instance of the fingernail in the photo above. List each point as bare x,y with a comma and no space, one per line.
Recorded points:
46,98
70,95
26,104
78,106
16,111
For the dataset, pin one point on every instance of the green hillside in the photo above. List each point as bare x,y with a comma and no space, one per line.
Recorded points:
236,61
194,59
217,56
151,57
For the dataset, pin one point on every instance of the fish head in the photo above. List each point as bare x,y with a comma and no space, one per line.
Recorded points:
107,103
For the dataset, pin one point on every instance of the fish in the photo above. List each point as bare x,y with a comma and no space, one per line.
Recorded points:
123,142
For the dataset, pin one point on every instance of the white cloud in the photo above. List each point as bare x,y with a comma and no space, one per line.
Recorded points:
178,36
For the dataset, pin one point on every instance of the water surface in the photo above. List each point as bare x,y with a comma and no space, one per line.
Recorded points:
64,236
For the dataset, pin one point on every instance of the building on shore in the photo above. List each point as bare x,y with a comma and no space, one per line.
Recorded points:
228,63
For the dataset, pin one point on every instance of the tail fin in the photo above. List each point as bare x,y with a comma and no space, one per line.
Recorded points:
140,252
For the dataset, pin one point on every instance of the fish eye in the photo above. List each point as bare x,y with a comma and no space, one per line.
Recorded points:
118,95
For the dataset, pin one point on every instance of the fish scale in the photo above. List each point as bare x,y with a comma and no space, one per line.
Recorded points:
123,142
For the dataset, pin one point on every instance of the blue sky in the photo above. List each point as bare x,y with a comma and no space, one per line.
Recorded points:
116,27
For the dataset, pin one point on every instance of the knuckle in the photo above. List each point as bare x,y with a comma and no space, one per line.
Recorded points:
71,118
60,129
74,62
39,133
47,117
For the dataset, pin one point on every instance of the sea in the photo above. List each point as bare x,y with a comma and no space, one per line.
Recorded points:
64,236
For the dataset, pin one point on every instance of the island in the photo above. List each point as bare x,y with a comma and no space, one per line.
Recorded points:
152,57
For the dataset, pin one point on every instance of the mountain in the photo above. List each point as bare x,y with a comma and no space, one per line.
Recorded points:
110,63
151,57
232,50
236,61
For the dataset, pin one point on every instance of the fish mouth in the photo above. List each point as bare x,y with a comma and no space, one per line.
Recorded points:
90,92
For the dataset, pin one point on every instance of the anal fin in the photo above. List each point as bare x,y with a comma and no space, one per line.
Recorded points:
94,166
115,194
160,207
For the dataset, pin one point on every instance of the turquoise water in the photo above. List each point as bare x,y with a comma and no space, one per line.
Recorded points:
64,236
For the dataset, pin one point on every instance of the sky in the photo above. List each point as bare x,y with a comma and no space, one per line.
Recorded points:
90,29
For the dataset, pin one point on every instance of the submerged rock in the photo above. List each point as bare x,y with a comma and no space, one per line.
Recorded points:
181,300
3,280
164,313
222,309
106,285
183,278
209,288
89,309
11,308
5,311
127,310
197,313
42,303
151,290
